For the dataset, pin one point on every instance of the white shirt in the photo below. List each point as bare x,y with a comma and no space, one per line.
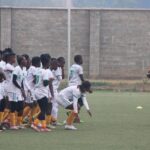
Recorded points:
2,64
8,74
57,78
41,90
21,74
29,78
50,74
1,91
75,71
51,77
72,94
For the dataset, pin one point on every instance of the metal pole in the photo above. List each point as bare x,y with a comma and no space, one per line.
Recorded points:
69,34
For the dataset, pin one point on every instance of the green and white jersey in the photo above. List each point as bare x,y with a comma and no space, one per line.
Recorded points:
29,84
21,74
57,78
8,70
38,75
41,90
75,71
2,92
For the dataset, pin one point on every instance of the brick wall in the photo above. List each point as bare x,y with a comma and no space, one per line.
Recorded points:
114,43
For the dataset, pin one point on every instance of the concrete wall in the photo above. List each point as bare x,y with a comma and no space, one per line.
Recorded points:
125,43
114,43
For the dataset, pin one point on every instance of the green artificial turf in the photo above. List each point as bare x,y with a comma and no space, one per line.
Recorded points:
116,125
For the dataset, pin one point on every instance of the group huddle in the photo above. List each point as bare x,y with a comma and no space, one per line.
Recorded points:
29,95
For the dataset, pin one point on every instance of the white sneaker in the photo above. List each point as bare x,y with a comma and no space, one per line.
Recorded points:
14,128
70,127
49,126
35,128
57,124
45,130
21,127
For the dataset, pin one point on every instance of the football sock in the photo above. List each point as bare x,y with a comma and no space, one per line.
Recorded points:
33,114
71,118
1,117
6,113
31,117
26,111
12,119
48,119
36,112
43,123
36,122
19,120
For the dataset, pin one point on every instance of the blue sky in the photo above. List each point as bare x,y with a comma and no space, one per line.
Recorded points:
78,3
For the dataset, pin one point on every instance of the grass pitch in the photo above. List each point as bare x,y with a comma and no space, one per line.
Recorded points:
116,125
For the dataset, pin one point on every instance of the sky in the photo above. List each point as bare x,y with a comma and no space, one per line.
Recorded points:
113,3
78,3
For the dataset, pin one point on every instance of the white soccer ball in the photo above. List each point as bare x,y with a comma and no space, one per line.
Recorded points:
139,107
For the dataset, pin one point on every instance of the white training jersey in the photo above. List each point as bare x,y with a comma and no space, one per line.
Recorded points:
41,90
50,74
29,84
75,71
2,64
8,74
71,94
51,77
21,74
2,92
57,78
